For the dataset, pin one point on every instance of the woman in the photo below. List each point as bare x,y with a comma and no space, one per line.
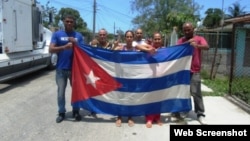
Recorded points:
129,37
156,43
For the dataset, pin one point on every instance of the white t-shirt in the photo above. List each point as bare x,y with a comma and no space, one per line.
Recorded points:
141,42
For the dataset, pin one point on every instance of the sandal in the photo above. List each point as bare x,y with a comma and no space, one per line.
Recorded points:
149,124
118,122
159,123
130,122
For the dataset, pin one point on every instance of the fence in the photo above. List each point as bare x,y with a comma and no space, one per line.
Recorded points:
228,58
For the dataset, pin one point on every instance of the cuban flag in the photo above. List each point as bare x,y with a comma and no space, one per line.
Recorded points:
129,83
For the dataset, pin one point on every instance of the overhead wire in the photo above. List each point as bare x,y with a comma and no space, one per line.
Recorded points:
116,19
102,11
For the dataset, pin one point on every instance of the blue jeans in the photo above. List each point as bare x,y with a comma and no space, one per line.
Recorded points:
62,77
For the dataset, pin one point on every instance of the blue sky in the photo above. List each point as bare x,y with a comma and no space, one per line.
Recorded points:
117,14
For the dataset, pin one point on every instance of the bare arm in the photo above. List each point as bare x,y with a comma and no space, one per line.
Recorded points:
146,48
203,46
119,47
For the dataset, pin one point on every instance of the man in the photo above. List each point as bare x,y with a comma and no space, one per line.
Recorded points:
139,38
62,43
199,43
102,39
104,43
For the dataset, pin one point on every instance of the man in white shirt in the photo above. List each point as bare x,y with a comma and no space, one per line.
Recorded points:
138,38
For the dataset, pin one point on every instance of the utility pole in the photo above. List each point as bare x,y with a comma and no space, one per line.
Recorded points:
114,30
212,73
94,14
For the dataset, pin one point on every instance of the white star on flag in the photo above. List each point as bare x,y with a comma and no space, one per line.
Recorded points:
91,78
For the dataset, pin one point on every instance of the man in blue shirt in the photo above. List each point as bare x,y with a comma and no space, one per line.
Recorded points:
62,43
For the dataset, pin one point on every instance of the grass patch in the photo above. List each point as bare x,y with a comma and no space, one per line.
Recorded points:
220,86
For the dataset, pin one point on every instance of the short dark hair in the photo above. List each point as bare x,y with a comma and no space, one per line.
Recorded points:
129,31
68,17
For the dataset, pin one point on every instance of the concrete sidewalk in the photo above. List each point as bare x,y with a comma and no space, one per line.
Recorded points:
222,110
219,110
204,88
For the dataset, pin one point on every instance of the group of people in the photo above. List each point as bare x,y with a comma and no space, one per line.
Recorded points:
62,42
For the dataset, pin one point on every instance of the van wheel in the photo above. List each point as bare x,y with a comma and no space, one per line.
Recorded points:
53,61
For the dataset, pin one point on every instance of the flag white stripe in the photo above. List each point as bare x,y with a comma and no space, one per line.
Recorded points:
123,98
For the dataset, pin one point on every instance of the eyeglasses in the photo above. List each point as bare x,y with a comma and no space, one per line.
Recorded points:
138,33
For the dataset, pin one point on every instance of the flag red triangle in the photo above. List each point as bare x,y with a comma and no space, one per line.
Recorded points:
83,68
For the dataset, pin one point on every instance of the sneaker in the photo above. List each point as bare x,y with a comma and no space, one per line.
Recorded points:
176,117
77,115
60,117
93,114
184,114
201,119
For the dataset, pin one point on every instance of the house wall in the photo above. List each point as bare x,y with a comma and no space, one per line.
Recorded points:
221,65
221,62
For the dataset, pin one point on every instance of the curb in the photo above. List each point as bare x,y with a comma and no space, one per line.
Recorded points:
243,105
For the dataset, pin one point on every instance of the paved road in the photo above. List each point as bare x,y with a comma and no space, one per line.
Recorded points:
28,112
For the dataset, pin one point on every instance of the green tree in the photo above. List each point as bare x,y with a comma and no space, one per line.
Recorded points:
53,18
47,15
81,25
163,15
213,17
235,10
177,19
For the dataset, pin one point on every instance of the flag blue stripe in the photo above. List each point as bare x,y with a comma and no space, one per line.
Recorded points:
132,57
171,105
152,84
